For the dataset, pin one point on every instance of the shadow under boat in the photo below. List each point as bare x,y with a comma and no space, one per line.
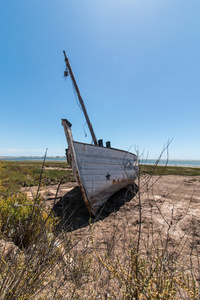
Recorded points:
73,213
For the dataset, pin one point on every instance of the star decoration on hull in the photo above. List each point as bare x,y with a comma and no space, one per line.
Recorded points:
108,176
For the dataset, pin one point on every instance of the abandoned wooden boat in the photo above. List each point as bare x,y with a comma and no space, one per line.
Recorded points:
100,171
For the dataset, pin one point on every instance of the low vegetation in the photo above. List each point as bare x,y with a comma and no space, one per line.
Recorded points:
39,262
18,174
169,170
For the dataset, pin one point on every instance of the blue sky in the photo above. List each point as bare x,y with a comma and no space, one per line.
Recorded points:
137,64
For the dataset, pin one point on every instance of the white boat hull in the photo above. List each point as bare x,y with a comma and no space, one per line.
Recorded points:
99,171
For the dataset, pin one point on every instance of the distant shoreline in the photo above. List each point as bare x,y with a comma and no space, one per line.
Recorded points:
162,162
32,158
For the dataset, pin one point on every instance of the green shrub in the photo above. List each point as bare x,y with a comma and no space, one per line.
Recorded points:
22,219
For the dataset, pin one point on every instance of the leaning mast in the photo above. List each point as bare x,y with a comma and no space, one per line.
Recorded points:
68,68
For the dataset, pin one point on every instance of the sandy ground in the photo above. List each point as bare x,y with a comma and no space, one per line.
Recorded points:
162,213
169,203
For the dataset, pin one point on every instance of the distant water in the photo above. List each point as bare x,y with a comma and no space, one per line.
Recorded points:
178,163
32,158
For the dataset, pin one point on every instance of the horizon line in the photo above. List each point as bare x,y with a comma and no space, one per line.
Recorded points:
63,156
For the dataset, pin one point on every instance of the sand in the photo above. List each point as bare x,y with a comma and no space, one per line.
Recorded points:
167,202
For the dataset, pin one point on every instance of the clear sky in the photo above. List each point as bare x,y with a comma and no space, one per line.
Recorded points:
137,64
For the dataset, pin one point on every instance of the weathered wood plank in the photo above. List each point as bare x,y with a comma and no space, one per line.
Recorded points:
104,160
87,149
104,171
105,176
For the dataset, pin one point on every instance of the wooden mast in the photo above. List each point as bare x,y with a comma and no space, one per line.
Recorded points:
68,67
